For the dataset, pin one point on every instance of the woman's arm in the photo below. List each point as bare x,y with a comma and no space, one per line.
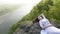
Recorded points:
43,16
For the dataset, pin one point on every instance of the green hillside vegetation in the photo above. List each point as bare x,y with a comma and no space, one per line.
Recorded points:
50,8
7,8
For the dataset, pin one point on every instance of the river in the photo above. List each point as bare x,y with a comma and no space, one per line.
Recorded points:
6,21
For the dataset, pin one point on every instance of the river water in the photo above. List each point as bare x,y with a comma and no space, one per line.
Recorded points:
6,21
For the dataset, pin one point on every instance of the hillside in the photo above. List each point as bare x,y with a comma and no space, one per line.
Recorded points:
50,8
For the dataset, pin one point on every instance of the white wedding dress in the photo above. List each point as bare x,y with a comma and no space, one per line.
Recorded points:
49,30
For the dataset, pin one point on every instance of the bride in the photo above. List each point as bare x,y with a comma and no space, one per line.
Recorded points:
47,27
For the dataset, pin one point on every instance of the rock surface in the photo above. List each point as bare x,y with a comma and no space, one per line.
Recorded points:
35,29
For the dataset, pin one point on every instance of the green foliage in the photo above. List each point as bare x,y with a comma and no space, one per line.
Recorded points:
13,28
50,8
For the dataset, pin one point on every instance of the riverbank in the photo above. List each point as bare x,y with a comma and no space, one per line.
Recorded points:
35,29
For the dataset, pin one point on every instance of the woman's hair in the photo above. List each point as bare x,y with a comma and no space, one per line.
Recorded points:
41,16
36,20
